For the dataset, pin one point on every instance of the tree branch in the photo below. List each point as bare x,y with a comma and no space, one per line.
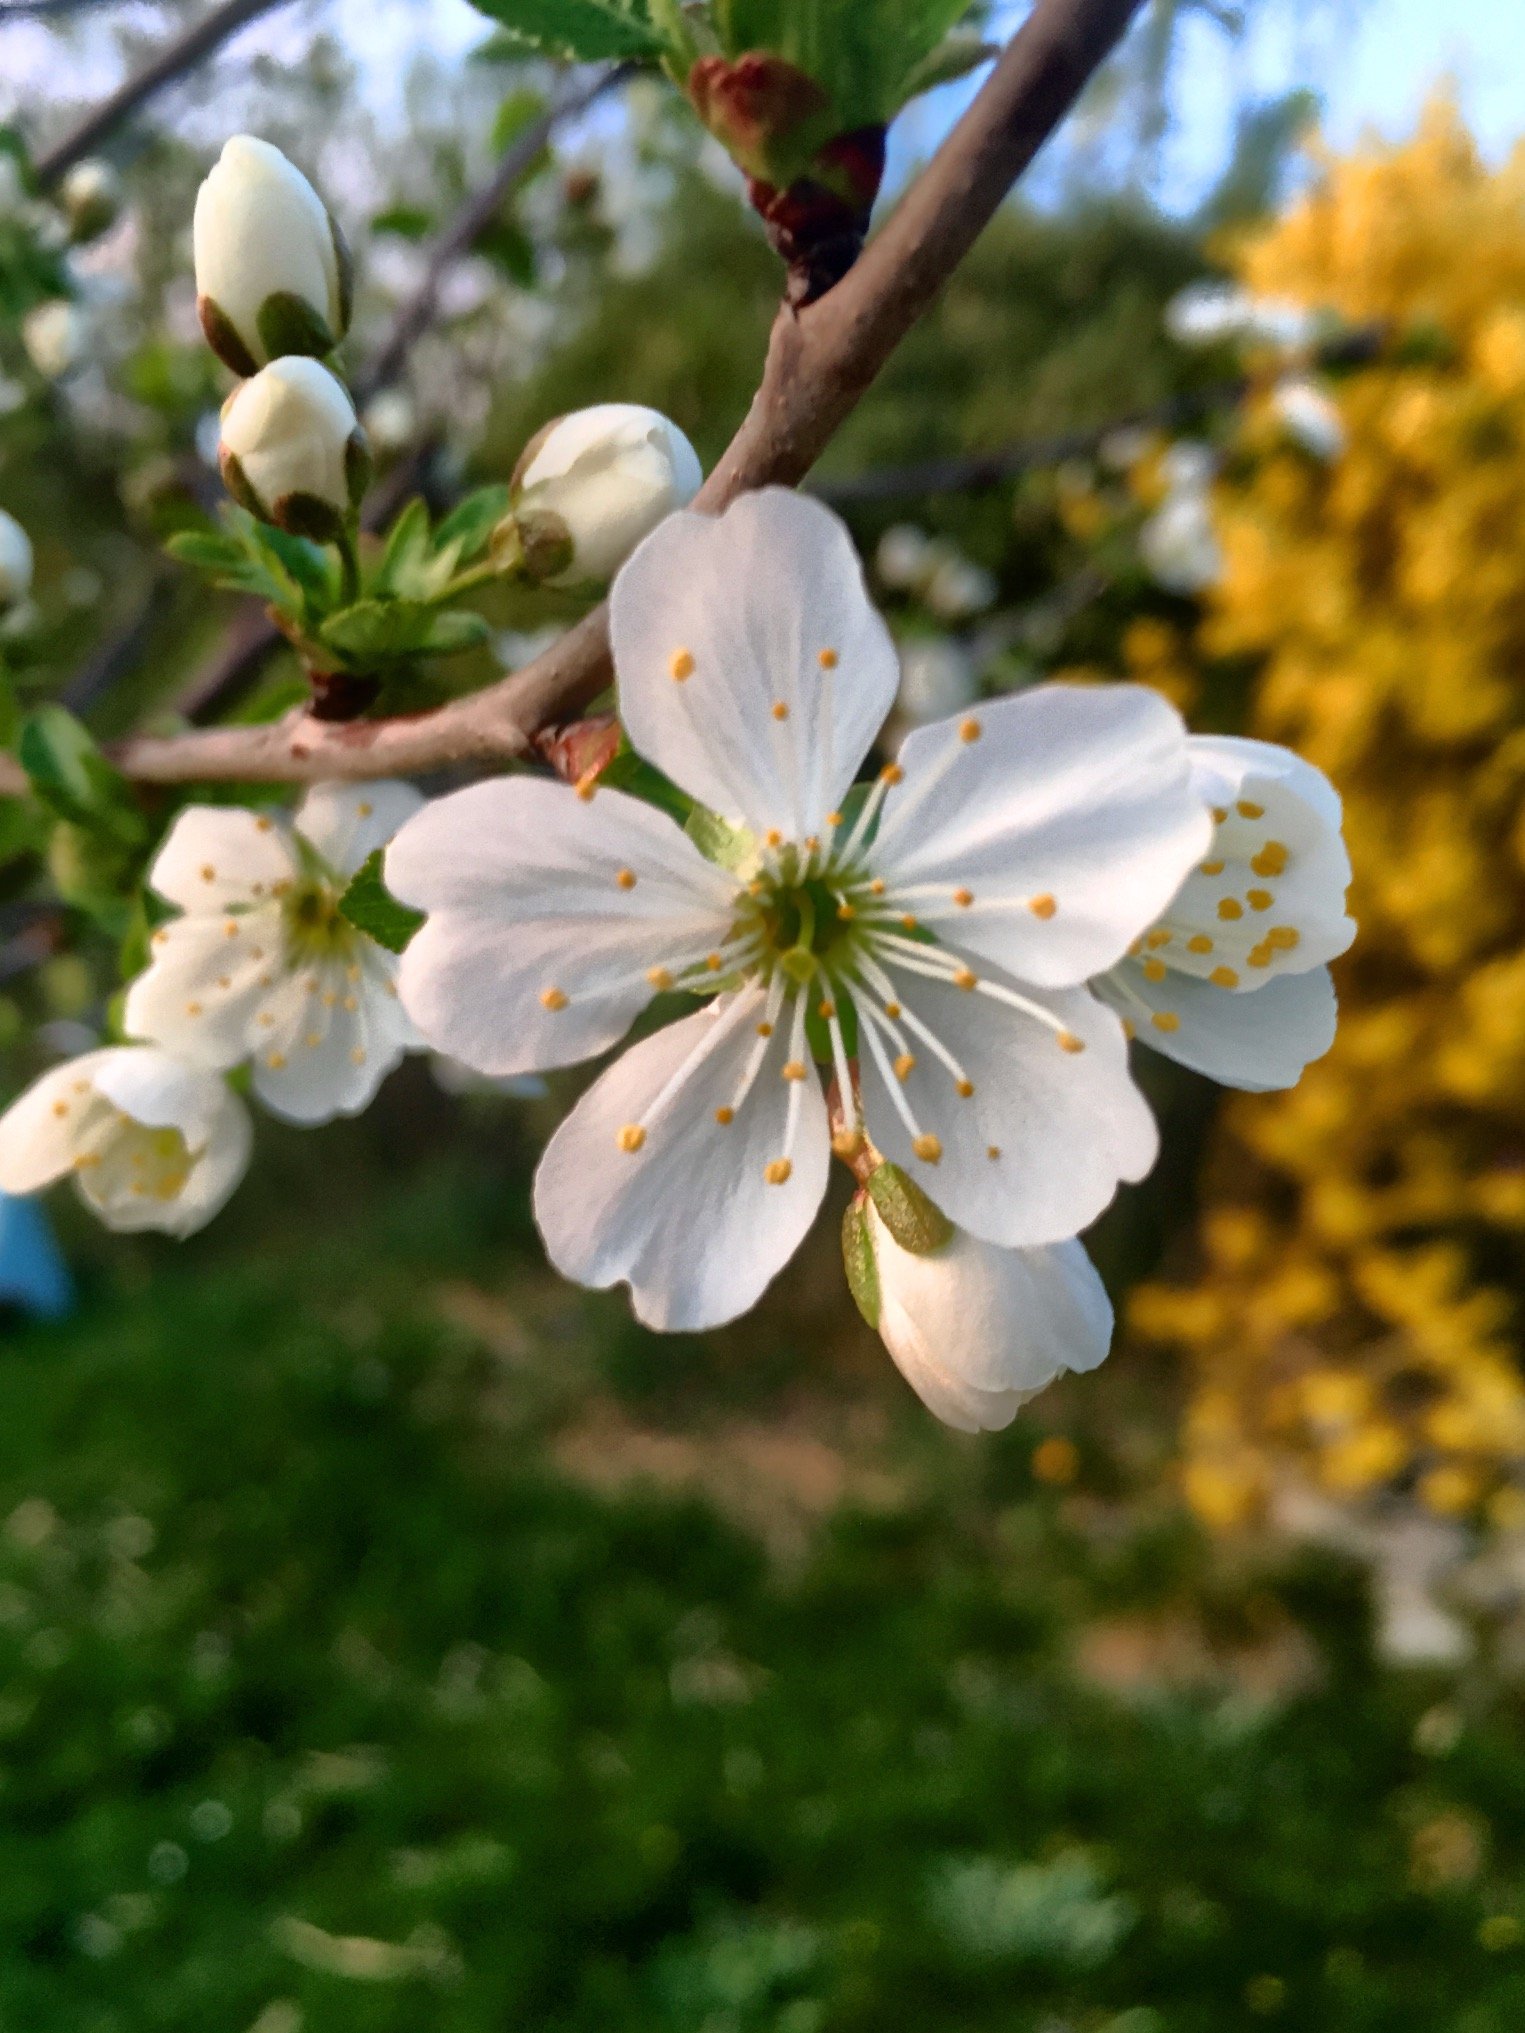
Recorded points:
172,62
820,362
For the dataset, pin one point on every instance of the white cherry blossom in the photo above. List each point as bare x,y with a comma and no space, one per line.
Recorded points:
151,1141
977,1331
949,917
1233,979
261,965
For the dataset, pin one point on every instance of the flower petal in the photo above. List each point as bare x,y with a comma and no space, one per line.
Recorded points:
1044,832
218,855
334,1035
40,1131
752,666
207,978
1268,897
162,1092
690,1219
346,823
1258,1041
1036,1152
548,914
977,1331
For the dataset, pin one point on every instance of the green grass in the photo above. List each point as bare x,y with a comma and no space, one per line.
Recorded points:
328,1701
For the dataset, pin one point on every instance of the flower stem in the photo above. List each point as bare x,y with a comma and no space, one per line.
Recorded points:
349,566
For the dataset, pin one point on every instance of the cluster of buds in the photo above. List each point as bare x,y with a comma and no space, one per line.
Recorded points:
273,294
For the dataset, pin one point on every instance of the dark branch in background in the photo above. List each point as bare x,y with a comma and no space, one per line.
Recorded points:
171,63
820,363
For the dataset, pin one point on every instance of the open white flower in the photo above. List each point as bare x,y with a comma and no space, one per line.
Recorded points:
977,1331
1233,979
151,1141
1309,416
950,920
1216,313
261,965
607,476
1178,542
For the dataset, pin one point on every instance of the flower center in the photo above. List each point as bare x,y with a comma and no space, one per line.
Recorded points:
315,928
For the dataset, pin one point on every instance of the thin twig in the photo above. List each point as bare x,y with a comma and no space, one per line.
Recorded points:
820,363
172,62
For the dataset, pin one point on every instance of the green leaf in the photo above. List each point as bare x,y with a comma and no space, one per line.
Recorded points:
403,570
575,31
306,564
408,222
378,631
863,56
371,907
233,568
72,777
471,522
519,111
859,1261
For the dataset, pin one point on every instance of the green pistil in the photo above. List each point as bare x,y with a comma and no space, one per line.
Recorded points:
315,927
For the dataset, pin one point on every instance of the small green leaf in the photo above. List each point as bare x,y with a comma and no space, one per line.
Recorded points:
408,222
454,630
380,631
859,1261
371,907
519,111
574,31
306,564
471,522
72,777
288,323
403,570
917,1223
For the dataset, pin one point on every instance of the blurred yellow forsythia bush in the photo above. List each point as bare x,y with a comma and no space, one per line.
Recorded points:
1358,1310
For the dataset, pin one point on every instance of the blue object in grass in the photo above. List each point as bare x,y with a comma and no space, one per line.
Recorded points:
33,1274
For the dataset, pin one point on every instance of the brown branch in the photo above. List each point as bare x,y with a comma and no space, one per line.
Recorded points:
172,62
820,362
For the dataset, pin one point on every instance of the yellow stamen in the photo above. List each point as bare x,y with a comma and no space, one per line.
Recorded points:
1283,937
1158,937
828,659
965,1088
780,710
1199,943
928,1149
1259,899
777,1173
681,666
1154,970
892,773
905,1066
1271,860
963,898
970,730
626,878
1068,1042
1212,868
553,998
1165,1020
1224,977
631,1137
724,1116
1246,810
1230,907
793,1070
966,978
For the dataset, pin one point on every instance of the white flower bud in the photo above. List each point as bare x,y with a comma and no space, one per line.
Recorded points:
958,588
91,196
291,449
151,1142
272,270
55,335
607,475
15,562
905,557
1308,416
937,677
976,1331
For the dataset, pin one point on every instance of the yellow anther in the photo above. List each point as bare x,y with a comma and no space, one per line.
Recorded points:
992,1151
352,972
262,825
826,1011
365,809
1212,868
1043,906
276,1061
358,1055
1160,936
1224,977
828,659
1068,1042
314,1039
631,1137
966,978
724,1116
209,873
230,929
793,1070
905,1065
713,962
266,1018
1247,810
1220,813
1259,899
876,887
928,1148
1271,860
1154,970
626,878
160,936
1165,1020
892,1010
778,1171
773,838
780,710
846,913
330,999
965,1088
892,773
193,1009
1199,943
681,666
970,730
352,1002
765,1030
812,843
1283,937
553,998
1230,907
908,921
586,785
963,898
846,1144
659,979
833,819
1260,956
60,1108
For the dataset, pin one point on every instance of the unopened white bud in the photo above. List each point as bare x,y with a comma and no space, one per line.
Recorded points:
937,677
976,1330
291,450
607,475
272,270
1309,417
15,562
91,196
55,335
905,557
